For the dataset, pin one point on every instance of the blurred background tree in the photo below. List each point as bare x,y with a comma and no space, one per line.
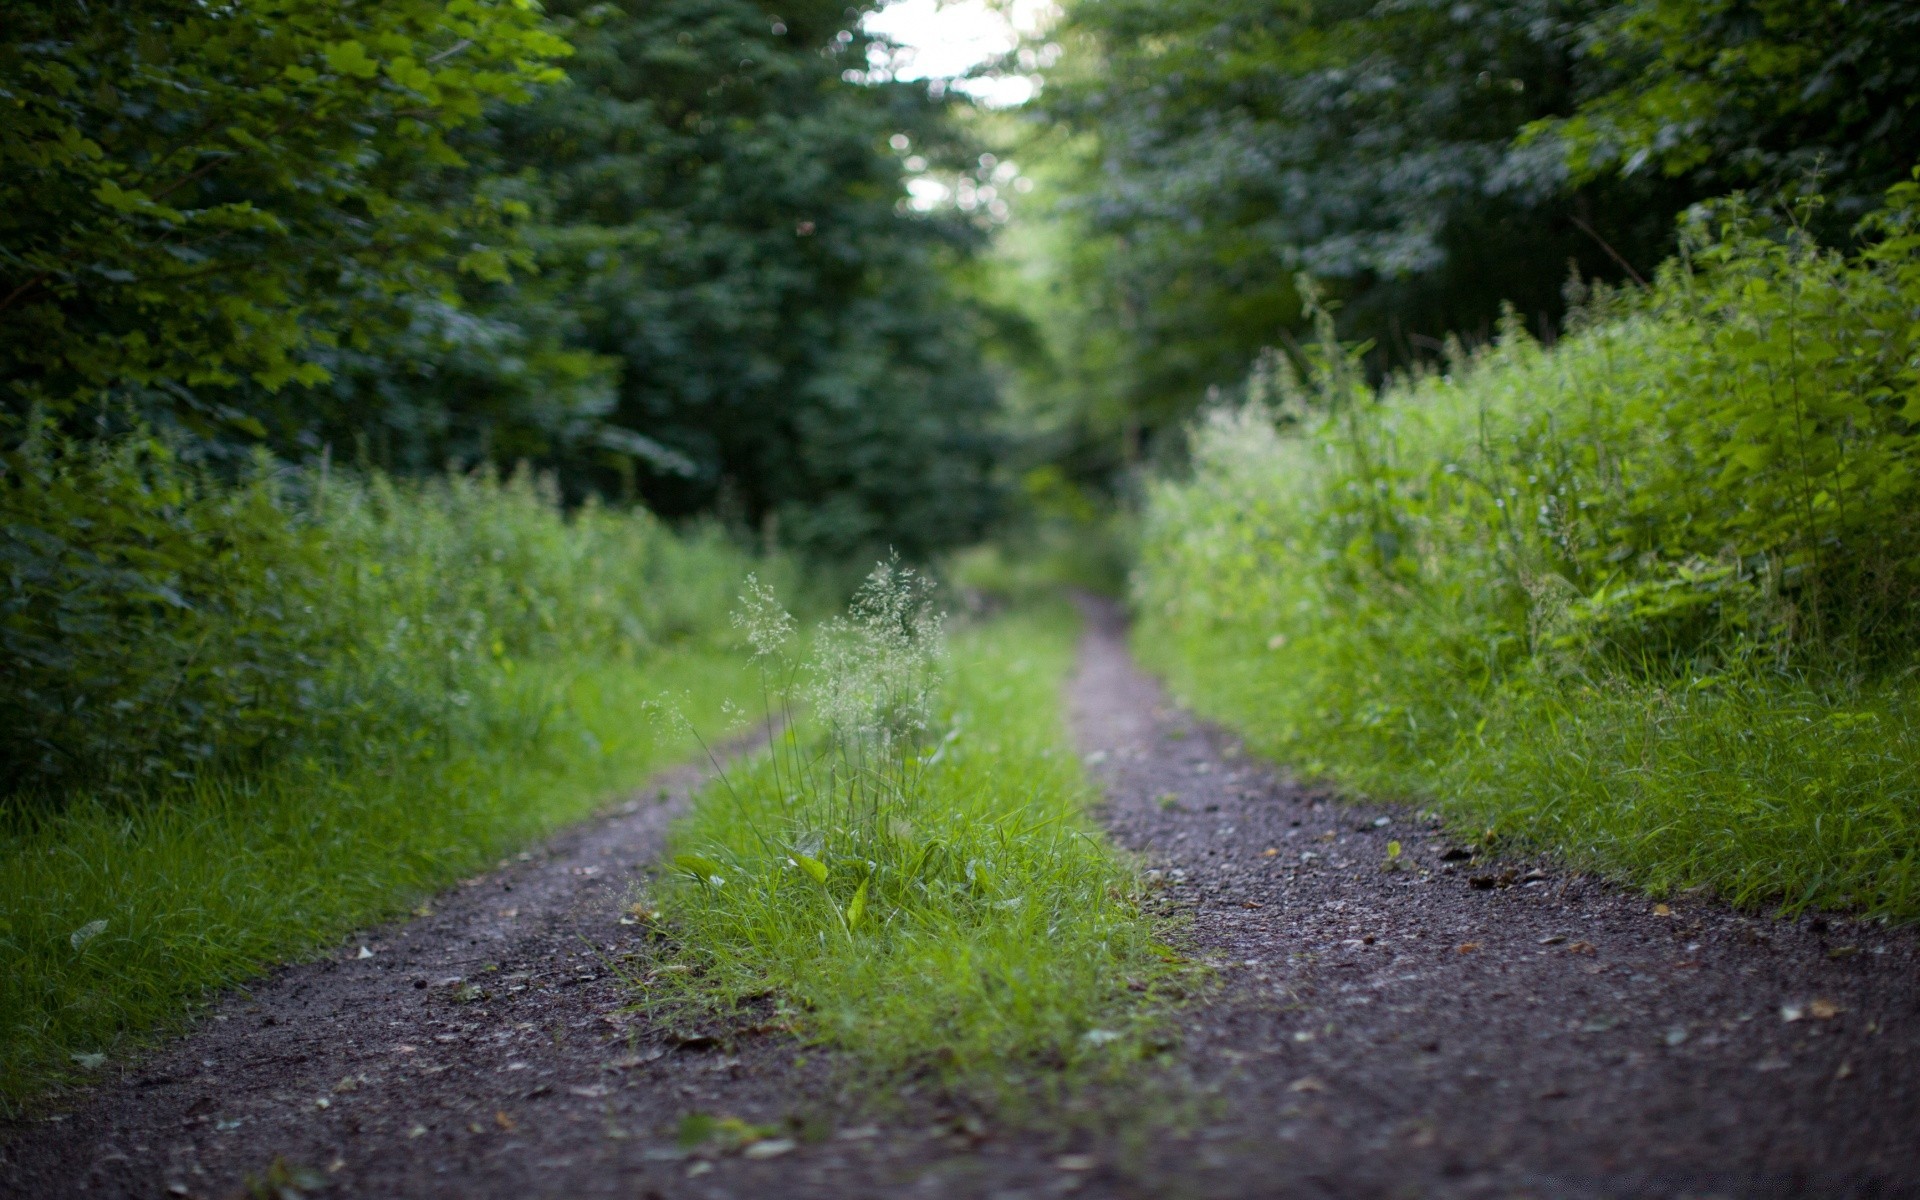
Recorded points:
682,273
1426,161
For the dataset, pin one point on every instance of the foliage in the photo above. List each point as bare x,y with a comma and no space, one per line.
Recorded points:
1424,161
160,620
1242,141
398,234
194,198
1635,597
1754,94
917,883
253,718
719,214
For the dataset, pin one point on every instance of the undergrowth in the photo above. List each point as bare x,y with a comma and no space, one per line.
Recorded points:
911,875
1646,598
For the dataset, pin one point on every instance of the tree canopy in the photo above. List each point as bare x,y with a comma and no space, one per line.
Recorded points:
661,249
1429,161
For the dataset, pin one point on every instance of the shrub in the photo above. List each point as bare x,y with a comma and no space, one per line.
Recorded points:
1693,517
161,619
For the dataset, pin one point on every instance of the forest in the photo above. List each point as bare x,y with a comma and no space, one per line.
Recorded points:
421,421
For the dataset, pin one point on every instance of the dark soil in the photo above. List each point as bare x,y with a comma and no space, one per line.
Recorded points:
1459,1026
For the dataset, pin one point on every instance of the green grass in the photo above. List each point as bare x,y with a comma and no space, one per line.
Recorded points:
214,885
946,909
1795,785
1645,599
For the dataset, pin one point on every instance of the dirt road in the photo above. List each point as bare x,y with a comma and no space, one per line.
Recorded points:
1447,1027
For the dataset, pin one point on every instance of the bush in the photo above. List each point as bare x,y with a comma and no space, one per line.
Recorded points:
162,620
1653,546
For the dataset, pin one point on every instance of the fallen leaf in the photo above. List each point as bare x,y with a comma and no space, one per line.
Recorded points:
504,1121
1823,1010
1309,1084
1466,947
1269,852
770,1148
1251,904
1662,910
417,1131
509,912
1075,1162
1583,948
1843,952
1552,939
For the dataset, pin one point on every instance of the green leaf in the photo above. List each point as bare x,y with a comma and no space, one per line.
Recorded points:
811,866
701,868
857,907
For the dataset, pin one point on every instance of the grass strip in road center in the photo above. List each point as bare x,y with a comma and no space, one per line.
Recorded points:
914,876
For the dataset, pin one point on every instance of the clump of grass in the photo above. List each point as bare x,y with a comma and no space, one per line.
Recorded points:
913,874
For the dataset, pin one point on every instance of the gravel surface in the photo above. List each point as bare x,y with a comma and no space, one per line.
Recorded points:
1454,1027
1464,1027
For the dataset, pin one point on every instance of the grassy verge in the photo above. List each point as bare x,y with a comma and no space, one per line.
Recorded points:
1646,599
934,904
253,714
117,918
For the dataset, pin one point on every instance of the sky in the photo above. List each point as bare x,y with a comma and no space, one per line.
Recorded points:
942,40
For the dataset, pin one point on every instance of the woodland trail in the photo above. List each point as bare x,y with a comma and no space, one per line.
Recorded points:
1453,1028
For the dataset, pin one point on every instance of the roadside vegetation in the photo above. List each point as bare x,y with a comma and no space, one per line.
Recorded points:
911,875
1646,598
370,687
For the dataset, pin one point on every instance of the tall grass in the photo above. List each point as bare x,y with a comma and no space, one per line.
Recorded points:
1646,598
376,687
916,879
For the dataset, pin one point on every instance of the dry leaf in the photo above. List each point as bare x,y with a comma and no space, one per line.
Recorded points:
1269,852
1466,947
769,1148
1823,1010
1661,910
1309,1084
504,1121
1582,948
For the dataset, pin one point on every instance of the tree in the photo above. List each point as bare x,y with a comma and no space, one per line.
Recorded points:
1752,94
196,199
719,212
